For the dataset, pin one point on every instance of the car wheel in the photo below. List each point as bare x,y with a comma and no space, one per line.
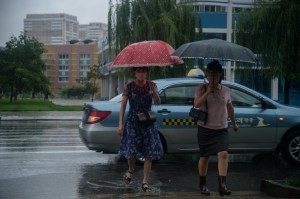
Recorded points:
291,147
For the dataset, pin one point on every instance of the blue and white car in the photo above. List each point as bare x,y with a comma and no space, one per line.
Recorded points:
265,125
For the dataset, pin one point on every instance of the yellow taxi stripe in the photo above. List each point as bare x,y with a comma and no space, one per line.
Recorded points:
179,122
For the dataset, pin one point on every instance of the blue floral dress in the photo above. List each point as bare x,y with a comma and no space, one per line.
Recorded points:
139,140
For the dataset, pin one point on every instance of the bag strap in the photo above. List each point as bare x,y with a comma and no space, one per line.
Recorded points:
147,115
206,99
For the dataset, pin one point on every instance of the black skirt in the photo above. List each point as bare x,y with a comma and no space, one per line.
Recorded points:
212,141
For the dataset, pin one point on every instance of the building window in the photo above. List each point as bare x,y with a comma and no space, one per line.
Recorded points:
49,57
236,10
85,64
209,8
85,59
63,68
63,59
85,68
214,36
63,79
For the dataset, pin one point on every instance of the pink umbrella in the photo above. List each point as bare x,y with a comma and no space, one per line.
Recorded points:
146,53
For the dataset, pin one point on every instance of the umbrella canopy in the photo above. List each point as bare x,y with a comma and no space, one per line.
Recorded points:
146,53
217,49
196,72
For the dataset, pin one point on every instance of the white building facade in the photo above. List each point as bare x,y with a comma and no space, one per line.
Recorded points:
51,28
61,28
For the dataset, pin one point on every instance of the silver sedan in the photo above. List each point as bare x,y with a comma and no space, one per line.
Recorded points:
265,125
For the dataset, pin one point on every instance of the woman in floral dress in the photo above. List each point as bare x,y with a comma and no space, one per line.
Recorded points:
138,139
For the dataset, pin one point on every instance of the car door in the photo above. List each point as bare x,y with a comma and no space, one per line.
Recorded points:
257,123
179,131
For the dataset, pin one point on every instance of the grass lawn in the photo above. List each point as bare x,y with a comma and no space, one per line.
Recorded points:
293,182
35,105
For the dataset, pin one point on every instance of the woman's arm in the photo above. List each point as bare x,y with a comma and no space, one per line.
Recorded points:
121,115
200,98
230,111
155,93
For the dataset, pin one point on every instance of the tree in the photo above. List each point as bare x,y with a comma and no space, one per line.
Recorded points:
22,67
271,29
90,81
93,76
140,20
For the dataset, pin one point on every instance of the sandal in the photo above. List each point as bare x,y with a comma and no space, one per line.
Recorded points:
146,187
127,177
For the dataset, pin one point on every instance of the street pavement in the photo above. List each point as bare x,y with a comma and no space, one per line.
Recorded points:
76,115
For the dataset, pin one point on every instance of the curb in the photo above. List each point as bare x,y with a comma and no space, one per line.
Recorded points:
279,189
185,195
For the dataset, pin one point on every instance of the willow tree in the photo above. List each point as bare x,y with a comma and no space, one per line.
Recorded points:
271,29
140,20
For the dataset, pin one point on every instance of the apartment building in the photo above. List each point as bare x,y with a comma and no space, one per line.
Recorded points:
93,31
52,29
60,28
67,64
71,48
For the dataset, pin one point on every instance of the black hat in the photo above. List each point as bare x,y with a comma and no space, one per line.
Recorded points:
214,66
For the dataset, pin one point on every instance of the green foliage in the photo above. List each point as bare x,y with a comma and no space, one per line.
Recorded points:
73,91
110,29
34,105
89,83
271,29
293,182
22,68
140,20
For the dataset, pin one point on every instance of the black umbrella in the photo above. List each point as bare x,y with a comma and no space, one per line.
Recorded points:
217,49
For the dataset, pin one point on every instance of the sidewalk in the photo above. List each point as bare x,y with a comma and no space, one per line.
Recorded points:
46,115
197,195
41,115
67,102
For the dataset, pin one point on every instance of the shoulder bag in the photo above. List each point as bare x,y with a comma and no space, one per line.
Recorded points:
146,117
199,115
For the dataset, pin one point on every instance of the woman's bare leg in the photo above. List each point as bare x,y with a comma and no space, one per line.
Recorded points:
203,165
223,163
147,169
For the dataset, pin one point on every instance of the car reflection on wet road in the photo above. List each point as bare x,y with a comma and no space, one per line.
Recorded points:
46,159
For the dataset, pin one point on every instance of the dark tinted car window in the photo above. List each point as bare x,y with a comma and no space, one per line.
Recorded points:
243,99
179,95
184,95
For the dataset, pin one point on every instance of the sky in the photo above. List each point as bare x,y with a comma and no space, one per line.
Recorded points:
13,13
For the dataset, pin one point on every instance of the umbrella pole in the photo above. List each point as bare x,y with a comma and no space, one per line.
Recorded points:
213,83
149,74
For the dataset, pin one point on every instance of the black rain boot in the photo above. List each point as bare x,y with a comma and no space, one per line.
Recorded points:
202,185
222,186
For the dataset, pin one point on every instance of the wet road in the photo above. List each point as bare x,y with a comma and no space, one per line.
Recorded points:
46,159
